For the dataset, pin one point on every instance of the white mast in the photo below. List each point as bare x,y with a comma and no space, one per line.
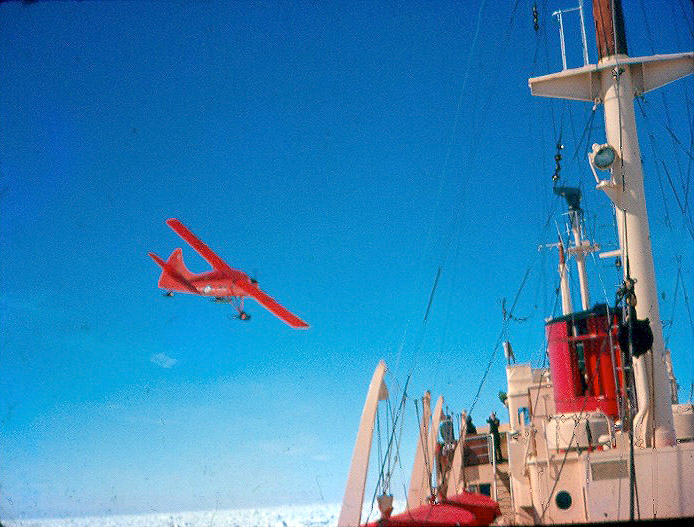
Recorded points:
614,82
566,305
419,480
580,249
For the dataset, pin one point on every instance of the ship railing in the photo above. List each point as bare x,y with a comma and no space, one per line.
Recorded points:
479,450
476,450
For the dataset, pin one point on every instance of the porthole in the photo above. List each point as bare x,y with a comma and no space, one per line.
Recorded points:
563,500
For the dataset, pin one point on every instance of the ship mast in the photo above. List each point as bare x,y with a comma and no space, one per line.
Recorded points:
614,82
580,248
566,304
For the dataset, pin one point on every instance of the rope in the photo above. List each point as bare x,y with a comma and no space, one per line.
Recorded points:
386,470
587,128
682,204
683,208
433,291
449,145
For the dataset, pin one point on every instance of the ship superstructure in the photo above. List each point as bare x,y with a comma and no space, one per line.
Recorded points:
606,439
598,435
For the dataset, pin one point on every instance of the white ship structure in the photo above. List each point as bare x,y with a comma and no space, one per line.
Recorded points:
598,435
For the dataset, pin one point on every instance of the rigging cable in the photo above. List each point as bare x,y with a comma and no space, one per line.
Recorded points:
473,149
499,341
685,15
588,128
433,291
393,444
675,140
633,491
442,180
683,205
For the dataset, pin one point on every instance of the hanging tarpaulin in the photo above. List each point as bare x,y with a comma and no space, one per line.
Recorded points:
463,509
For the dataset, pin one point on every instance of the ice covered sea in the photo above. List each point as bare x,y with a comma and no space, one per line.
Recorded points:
288,516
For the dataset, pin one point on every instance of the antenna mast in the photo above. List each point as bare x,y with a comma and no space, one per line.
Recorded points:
559,14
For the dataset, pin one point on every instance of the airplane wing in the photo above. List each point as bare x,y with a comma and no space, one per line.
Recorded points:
195,242
273,306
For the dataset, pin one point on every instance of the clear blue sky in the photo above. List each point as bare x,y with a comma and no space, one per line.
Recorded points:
341,152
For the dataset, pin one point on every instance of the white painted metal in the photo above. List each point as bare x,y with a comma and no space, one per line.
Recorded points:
584,84
433,433
611,82
350,514
579,251
419,487
598,483
584,43
519,378
566,305
584,40
491,448
632,220
683,415
454,475
558,14
663,477
569,431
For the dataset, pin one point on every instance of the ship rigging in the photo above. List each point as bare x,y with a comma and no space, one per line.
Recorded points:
602,419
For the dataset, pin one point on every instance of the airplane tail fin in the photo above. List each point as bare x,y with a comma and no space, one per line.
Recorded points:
176,262
174,275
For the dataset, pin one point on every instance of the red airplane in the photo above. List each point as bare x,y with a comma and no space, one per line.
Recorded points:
222,282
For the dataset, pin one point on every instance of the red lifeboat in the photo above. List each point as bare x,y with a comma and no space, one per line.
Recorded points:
463,509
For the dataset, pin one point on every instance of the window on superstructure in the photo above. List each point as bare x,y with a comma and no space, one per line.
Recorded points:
523,416
582,370
481,488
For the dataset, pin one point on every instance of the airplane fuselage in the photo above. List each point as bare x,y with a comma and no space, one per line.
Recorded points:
218,284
